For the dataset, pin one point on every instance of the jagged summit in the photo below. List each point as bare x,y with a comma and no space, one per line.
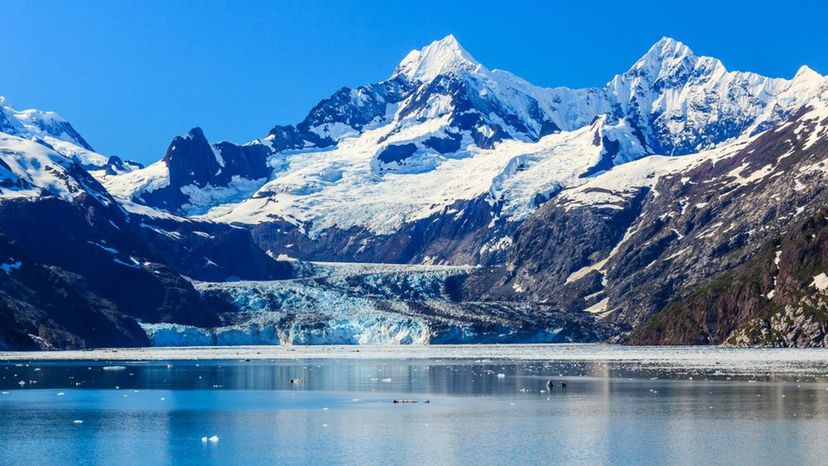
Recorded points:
666,60
443,111
665,50
806,73
444,56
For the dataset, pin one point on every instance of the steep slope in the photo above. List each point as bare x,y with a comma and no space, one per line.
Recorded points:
92,259
54,132
778,298
624,250
441,161
47,308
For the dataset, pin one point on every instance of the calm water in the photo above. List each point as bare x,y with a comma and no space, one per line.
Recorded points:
609,413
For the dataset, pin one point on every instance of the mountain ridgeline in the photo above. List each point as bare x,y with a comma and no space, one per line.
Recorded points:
680,203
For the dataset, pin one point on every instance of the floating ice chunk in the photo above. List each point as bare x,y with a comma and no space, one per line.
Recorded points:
60,394
77,421
114,368
214,439
501,376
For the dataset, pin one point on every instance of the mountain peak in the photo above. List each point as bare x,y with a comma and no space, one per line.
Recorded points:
444,56
195,133
665,54
806,73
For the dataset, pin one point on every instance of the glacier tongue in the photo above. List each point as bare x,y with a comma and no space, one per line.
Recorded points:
369,304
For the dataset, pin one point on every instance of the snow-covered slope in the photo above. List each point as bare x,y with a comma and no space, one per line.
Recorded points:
51,130
338,188
31,170
443,129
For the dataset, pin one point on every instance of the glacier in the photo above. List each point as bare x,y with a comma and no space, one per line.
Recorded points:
368,304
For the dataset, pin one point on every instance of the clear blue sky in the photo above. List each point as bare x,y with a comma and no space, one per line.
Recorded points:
132,74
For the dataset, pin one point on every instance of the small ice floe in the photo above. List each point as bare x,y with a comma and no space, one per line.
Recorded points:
163,399
6,393
77,421
60,394
114,368
211,439
325,425
501,375
387,380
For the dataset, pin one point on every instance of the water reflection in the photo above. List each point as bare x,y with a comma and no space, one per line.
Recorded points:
608,413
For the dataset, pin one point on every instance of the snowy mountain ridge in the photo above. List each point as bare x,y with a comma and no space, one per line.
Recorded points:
576,214
444,128
53,131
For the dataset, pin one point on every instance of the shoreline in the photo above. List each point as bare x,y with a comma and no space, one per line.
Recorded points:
755,360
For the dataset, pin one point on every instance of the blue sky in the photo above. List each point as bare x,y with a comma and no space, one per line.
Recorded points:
130,75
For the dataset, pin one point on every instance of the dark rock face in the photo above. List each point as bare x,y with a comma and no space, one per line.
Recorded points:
455,238
720,216
90,269
685,242
396,153
770,300
56,308
115,166
193,162
191,159
353,108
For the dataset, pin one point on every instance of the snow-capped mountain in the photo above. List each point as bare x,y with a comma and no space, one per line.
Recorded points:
688,249
444,136
77,266
576,214
54,132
